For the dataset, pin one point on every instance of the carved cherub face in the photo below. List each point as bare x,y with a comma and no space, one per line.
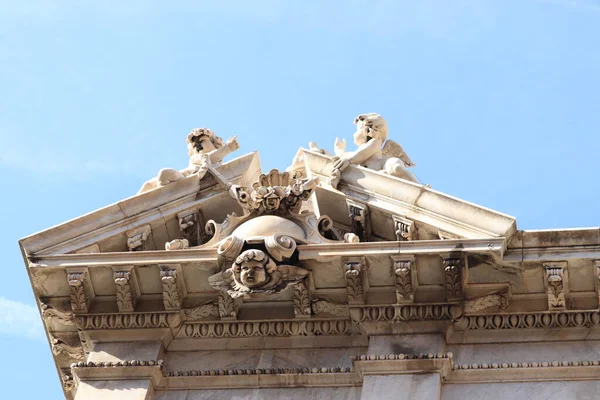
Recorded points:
202,141
253,274
252,269
369,126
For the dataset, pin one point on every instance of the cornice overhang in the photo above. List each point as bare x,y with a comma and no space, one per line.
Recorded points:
140,209
415,201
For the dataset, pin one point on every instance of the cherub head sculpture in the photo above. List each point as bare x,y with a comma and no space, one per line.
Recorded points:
370,126
252,269
202,140
257,271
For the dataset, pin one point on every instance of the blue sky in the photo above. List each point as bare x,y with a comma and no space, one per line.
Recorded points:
496,102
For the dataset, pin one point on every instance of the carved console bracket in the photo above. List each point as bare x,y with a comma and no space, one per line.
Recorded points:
301,300
228,306
405,277
191,223
354,273
359,219
556,284
127,288
404,228
172,290
82,292
453,273
136,238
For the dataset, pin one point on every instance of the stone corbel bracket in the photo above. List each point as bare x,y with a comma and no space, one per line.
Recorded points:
191,225
81,289
127,287
360,224
404,228
228,306
302,303
398,364
137,238
405,275
556,283
173,287
355,272
453,268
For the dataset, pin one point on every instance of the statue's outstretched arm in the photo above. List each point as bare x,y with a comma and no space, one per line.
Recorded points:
365,151
216,156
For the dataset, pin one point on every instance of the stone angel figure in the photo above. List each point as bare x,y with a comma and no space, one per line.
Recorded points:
204,147
373,151
253,271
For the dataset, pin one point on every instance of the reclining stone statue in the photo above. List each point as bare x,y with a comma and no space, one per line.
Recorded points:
204,147
373,151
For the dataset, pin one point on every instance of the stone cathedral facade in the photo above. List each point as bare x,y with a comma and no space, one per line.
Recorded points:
341,277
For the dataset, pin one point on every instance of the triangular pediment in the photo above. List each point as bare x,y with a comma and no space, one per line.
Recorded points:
388,204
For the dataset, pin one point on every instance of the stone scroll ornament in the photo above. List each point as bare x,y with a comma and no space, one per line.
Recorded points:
204,148
374,151
255,271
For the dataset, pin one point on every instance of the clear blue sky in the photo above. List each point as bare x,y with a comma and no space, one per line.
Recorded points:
496,102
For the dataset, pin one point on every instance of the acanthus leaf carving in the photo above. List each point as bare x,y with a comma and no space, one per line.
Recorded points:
404,284
125,297
301,300
354,281
485,302
228,306
171,295
77,286
453,277
202,312
321,306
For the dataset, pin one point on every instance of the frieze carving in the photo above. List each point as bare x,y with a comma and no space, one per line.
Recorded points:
555,285
51,313
359,221
68,382
124,321
404,284
77,286
295,327
136,238
125,296
326,307
201,312
301,300
275,192
204,149
374,151
485,302
171,295
453,277
405,312
560,319
404,228
354,281
254,271
261,371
